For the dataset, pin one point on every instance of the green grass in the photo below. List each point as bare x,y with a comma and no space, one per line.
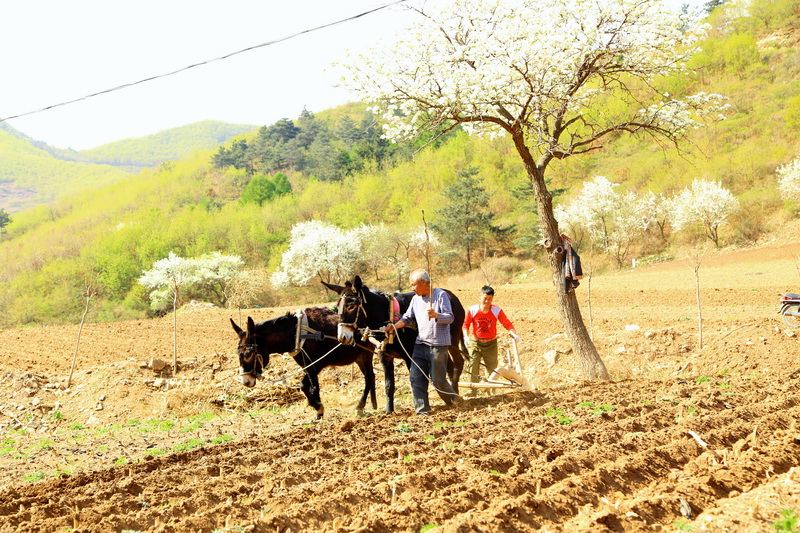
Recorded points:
188,445
156,451
156,425
33,477
222,438
8,446
789,522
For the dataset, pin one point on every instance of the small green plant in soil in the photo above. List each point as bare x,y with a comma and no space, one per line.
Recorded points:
600,409
789,522
188,445
33,477
155,451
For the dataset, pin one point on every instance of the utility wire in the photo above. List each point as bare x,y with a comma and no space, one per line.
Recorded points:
206,62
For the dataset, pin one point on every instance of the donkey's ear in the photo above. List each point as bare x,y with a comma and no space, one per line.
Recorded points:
251,326
357,283
236,328
335,288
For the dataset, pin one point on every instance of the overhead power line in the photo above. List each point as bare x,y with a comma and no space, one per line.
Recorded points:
206,62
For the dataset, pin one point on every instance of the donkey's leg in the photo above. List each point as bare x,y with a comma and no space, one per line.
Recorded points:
310,387
365,364
371,369
457,359
388,381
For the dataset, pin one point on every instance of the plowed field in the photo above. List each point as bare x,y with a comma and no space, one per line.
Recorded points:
684,437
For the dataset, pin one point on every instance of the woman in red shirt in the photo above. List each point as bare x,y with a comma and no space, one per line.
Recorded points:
483,318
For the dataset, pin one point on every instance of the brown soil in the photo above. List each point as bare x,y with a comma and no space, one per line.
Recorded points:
683,437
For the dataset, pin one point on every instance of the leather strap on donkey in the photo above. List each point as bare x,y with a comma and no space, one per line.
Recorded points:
304,332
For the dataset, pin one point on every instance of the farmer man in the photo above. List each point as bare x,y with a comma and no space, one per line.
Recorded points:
483,317
433,314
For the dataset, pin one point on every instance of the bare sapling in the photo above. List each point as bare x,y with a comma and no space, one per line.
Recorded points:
90,291
695,258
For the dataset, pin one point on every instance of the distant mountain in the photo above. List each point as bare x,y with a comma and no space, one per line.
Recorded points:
33,172
168,145
31,175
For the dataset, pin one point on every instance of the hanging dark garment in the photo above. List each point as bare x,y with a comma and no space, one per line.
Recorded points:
571,265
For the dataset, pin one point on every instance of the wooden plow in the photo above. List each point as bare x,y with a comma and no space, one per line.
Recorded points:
503,377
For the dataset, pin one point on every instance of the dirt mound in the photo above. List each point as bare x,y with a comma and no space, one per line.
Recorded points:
687,435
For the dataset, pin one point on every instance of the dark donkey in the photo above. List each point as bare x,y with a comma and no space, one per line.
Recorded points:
363,309
310,337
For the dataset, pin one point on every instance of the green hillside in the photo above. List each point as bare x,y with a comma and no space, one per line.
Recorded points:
34,173
340,171
168,145
30,175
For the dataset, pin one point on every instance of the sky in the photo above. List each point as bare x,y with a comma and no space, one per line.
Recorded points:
52,51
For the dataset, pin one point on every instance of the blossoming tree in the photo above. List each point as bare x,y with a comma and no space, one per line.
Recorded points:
613,219
558,77
706,203
321,250
788,181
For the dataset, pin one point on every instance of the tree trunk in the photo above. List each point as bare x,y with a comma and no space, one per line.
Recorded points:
592,367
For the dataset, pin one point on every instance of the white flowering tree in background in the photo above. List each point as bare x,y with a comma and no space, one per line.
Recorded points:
170,276
324,251
706,203
612,219
658,209
214,273
558,77
789,180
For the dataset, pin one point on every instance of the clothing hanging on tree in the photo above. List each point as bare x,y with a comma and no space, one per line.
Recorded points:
571,265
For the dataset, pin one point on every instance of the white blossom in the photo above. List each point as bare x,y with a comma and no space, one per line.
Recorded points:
488,64
612,219
789,180
707,203
319,249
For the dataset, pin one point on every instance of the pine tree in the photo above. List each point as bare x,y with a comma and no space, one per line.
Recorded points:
465,222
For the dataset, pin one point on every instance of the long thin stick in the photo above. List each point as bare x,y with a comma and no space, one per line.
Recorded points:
428,256
89,294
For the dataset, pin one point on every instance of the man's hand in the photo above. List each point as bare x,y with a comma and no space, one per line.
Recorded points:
432,314
515,337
